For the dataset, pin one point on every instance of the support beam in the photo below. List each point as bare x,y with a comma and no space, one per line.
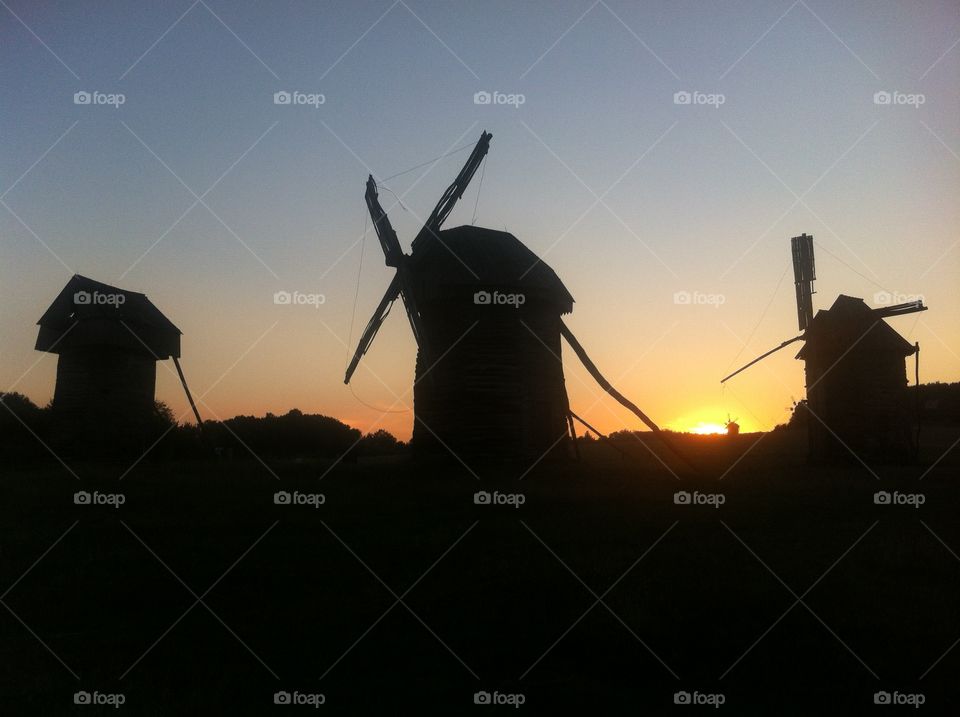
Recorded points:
183,380
623,400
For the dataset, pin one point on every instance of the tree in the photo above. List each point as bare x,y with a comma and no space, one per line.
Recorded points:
379,443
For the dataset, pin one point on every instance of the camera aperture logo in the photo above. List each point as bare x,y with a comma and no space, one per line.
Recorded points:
483,497
883,97
111,699
912,699
712,699
714,99
98,298
513,699
109,99
684,497
514,99
309,699
296,97
283,497
298,298
115,500
886,298
697,298
498,298
914,500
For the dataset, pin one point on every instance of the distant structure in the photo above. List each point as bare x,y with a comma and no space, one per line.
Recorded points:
108,341
855,372
733,428
486,314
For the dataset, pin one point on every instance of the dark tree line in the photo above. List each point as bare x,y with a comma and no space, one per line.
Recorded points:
25,428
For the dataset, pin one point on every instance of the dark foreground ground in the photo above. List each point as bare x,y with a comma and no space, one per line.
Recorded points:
798,595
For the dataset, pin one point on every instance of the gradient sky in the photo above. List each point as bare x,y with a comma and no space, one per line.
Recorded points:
694,198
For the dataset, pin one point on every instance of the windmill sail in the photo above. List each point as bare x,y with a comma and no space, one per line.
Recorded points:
402,283
804,273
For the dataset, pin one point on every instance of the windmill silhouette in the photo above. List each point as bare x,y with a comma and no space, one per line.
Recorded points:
855,371
108,341
486,314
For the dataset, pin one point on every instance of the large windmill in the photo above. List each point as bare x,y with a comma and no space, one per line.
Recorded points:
855,371
486,315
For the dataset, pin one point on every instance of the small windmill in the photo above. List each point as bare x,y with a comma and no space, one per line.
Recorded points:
855,372
486,314
107,342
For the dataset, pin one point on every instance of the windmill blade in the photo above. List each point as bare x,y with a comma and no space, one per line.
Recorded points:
392,252
455,190
900,309
804,273
393,256
374,325
763,356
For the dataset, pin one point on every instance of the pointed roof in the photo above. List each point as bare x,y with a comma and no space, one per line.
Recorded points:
479,257
89,313
850,321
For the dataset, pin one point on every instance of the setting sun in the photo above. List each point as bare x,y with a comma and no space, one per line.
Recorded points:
703,428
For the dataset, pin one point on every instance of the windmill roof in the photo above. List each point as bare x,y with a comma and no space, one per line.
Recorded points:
476,256
87,312
851,319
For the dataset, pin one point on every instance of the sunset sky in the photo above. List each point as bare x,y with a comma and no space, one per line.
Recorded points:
204,194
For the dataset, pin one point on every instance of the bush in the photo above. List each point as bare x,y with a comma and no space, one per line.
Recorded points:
22,422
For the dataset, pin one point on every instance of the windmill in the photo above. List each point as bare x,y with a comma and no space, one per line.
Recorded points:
107,342
486,315
855,370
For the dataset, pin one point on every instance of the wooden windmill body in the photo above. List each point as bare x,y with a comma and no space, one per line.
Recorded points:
857,384
491,383
108,341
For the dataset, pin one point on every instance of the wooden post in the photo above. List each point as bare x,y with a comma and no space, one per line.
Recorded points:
186,389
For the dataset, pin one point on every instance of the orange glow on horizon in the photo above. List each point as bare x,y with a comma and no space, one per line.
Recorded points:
704,428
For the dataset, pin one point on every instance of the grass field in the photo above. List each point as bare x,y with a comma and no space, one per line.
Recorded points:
400,594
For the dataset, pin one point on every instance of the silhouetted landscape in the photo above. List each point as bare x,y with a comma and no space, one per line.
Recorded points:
716,577
413,357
